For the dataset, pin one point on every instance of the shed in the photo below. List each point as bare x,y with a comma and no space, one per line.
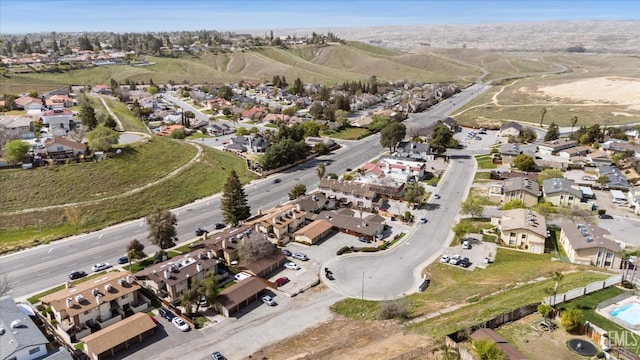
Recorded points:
618,196
587,192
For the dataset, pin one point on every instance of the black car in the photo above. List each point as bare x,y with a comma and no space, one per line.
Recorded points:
425,284
605,216
286,252
464,262
166,313
276,181
77,275
123,260
200,232
219,226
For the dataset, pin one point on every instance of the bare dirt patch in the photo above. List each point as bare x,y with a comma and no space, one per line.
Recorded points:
346,339
606,90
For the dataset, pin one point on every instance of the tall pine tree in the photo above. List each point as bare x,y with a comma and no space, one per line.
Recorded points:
234,201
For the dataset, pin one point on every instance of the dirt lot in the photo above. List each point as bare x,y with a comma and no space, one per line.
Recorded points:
549,345
599,90
346,339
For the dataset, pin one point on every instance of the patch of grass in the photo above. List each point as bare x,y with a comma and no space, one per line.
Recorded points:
198,135
431,179
129,121
470,226
483,176
271,125
199,320
485,162
356,309
490,306
348,133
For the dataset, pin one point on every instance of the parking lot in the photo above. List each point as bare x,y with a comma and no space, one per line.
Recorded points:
478,252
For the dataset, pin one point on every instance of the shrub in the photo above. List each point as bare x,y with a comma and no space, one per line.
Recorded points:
473,299
571,320
369,249
383,246
343,250
627,284
545,310
396,309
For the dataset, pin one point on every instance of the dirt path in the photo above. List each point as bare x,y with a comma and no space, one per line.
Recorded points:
119,127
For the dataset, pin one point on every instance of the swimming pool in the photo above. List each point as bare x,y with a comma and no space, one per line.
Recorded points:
629,313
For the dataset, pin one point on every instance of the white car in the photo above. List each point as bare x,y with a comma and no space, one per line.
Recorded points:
180,324
242,275
423,220
268,300
436,196
300,256
455,260
292,266
100,266
445,259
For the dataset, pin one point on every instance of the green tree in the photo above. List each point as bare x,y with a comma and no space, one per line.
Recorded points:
444,351
524,162
514,204
282,153
549,174
571,320
15,151
544,208
88,116
102,138
290,111
545,310
135,251
440,138
527,135
379,122
178,134
574,121
414,192
543,112
553,132
472,206
487,350
391,134
557,278
602,180
161,224
321,148
315,110
297,191
110,122
234,203
321,170
152,90
225,92
311,129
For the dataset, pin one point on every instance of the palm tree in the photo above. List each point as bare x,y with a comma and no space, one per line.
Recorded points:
321,170
574,121
557,277
543,112
444,350
625,256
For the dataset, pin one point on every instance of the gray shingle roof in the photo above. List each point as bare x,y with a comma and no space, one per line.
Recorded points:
22,335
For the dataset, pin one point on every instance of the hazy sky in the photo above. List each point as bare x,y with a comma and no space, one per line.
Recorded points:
24,16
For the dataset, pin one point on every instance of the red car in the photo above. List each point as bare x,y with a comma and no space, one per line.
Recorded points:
281,281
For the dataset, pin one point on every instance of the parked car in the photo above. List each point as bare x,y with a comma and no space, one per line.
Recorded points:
166,313
242,275
436,196
425,284
281,281
123,259
423,220
445,259
268,300
200,232
349,169
466,245
286,252
219,226
180,324
605,216
77,275
292,266
100,266
364,240
455,259
464,262
300,256
217,356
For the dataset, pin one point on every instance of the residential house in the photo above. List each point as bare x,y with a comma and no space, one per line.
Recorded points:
60,148
561,192
20,338
266,265
255,113
599,158
617,180
589,244
621,147
106,342
220,129
29,104
510,352
17,127
279,223
218,104
510,129
101,302
414,150
311,141
239,295
452,124
101,89
226,244
575,154
521,188
60,101
402,169
58,119
359,195
522,228
274,118
170,279
344,220
314,232
553,147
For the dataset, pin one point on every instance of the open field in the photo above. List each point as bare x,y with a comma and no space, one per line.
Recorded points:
199,180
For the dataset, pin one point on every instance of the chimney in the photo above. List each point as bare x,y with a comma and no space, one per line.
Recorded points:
130,279
99,299
210,254
68,284
166,274
108,287
69,302
198,267
224,243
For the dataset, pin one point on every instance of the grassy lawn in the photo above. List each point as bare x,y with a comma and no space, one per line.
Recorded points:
129,121
451,285
482,195
588,304
471,226
431,179
202,179
348,133
485,162
482,177
271,125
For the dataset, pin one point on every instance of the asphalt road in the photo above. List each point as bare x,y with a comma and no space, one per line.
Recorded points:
32,270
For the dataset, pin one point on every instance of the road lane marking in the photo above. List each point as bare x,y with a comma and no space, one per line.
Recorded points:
50,250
